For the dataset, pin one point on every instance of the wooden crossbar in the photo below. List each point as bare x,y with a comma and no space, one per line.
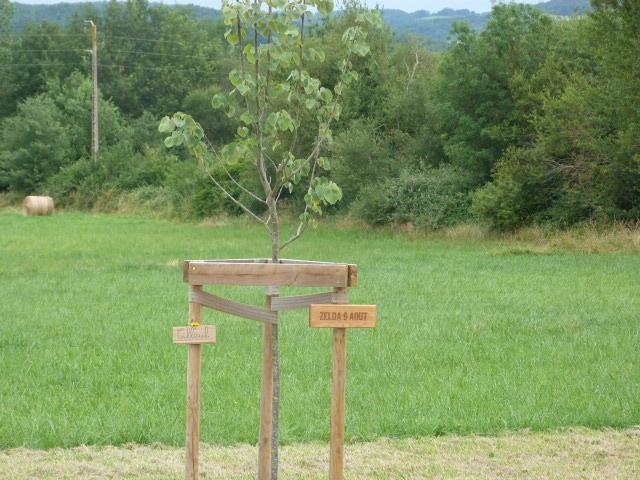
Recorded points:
303,301
198,272
231,307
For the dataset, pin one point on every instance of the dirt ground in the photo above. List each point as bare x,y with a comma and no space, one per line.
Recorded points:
570,454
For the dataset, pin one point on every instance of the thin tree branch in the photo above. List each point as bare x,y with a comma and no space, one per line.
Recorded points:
318,144
300,230
234,199
266,89
300,66
231,177
303,223
242,59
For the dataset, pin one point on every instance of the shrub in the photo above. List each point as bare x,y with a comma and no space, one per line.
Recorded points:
33,145
362,156
431,199
520,190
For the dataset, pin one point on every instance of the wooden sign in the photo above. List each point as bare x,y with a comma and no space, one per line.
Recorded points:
195,335
342,316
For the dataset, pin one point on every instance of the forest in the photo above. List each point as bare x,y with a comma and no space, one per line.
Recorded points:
533,120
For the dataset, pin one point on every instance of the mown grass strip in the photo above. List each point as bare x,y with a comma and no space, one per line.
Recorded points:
567,455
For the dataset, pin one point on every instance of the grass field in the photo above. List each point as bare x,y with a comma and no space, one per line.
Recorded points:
473,337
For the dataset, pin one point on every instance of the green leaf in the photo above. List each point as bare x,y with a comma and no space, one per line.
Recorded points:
232,36
285,122
243,88
235,78
191,141
325,7
167,125
174,140
247,118
230,110
218,101
326,95
361,49
324,163
249,53
243,132
337,111
332,193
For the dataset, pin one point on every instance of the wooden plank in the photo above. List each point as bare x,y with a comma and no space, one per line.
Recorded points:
342,316
266,404
274,274
307,262
234,260
231,307
338,398
194,335
194,365
303,301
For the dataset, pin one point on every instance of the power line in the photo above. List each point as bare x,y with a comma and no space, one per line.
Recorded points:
174,42
138,52
62,64
109,52
106,65
21,35
165,67
48,51
107,37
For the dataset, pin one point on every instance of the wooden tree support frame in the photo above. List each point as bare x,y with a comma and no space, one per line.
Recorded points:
263,272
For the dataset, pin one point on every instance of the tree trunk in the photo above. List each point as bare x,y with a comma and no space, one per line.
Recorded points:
275,350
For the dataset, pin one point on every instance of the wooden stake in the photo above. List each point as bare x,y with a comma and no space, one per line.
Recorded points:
266,403
95,121
193,396
336,457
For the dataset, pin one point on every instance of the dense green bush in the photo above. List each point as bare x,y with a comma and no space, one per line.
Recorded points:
431,199
362,157
52,131
33,146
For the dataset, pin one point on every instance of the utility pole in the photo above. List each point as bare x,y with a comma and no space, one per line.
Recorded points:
95,123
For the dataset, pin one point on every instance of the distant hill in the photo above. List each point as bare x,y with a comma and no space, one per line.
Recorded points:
565,8
436,26
63,12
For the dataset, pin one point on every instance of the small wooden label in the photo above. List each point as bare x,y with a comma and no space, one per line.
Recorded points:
195,335
342,316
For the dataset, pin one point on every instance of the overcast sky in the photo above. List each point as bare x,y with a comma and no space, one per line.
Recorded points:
406,5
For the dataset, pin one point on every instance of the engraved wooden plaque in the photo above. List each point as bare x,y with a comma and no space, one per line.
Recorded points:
342,316
194,335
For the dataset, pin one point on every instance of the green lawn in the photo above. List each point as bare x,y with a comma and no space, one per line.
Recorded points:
471,337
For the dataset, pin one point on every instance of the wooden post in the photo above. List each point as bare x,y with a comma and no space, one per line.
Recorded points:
266,404
339,317
338,399
193,395
336,458
95,121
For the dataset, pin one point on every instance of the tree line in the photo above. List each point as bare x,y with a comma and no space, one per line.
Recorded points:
535,119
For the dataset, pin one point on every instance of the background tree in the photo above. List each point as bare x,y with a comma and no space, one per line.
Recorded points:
6,13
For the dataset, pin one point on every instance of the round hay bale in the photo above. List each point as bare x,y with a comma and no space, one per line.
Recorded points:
33,205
